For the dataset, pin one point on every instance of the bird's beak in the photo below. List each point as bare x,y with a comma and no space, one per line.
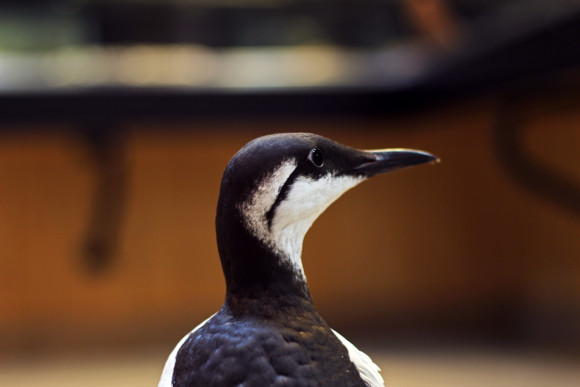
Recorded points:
387,160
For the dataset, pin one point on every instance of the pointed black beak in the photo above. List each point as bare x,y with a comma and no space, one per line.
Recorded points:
387,160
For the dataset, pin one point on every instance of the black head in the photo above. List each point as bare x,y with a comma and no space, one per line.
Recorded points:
272,191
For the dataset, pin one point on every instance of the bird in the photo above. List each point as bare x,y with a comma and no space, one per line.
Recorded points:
268,332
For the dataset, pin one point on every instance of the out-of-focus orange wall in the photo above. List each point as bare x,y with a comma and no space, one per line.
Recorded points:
429,241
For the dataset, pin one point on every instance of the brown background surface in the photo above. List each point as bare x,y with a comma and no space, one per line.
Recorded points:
454,249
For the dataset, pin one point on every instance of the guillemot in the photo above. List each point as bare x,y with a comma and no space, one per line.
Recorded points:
268,332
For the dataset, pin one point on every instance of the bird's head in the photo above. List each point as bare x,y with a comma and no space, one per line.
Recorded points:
276,186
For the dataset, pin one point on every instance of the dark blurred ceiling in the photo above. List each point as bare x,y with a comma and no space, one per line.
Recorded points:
367,55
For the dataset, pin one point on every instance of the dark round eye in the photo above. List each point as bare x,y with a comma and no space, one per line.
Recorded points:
316,157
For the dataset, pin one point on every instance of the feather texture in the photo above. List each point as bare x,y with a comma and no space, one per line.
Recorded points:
368,370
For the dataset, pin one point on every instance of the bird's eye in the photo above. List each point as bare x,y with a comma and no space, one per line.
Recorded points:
316,158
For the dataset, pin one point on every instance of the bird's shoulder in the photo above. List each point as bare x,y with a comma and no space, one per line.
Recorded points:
253,352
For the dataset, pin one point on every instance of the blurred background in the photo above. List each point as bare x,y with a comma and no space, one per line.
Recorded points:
117,119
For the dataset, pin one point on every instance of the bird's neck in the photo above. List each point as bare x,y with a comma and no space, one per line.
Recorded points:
270,307
254,272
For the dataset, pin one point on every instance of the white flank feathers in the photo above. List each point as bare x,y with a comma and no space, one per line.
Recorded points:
369,371
167,374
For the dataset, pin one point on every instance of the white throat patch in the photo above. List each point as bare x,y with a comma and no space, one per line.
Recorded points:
304,202
255,210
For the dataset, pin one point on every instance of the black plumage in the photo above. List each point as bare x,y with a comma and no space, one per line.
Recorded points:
268,332
265,346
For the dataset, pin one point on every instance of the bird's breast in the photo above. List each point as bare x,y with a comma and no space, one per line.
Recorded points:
230,351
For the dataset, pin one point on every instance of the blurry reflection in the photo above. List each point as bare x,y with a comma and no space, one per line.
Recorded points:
249,43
